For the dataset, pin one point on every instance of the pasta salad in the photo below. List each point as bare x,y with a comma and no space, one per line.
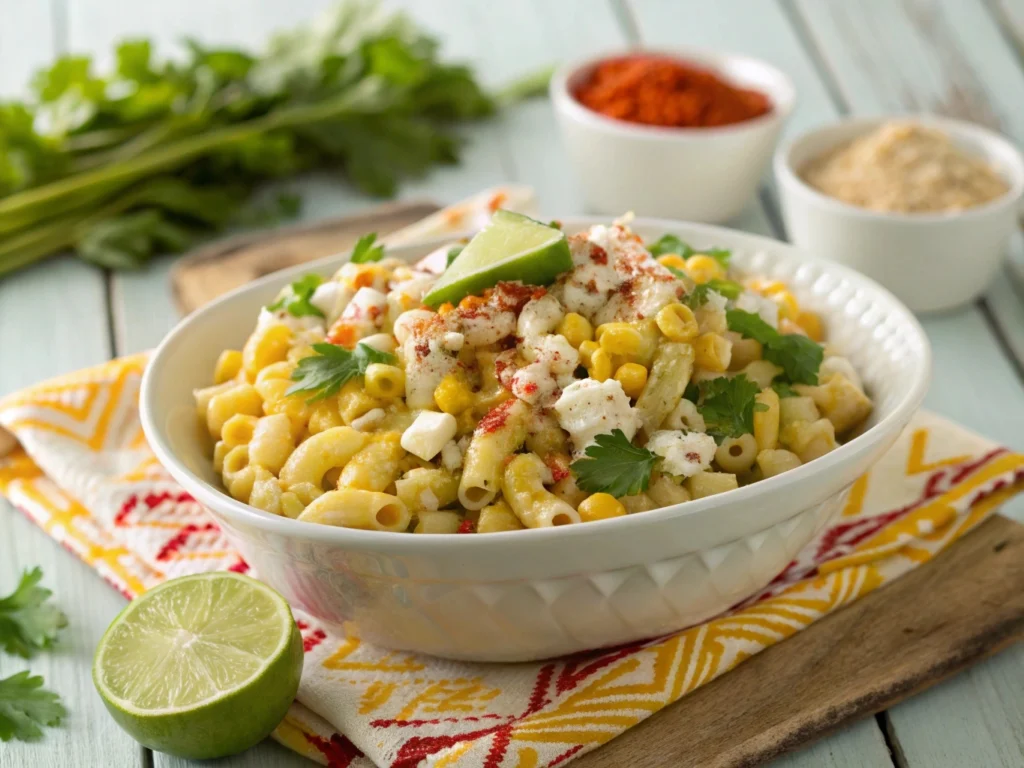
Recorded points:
461,395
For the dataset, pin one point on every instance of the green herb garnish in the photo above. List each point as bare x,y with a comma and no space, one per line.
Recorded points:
365,251
326,372
797,355
156,153
670,244
296,298
728,405
25,706
27,621
699,296
782,389
614,465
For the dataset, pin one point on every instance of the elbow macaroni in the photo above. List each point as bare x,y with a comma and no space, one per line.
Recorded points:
455,430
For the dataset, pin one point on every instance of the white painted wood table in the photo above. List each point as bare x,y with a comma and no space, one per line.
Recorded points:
958,57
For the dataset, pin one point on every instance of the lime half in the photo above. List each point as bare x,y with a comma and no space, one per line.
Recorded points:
511,247
201,666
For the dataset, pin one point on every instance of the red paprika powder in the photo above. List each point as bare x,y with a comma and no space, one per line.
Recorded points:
657,90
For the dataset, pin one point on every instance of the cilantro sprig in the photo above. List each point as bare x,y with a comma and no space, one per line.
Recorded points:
326,372
728,406
27,621
782,389
25,706
614,465
296,298
672,244
365,251
797,355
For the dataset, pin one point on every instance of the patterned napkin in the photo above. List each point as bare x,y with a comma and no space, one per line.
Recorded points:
79,466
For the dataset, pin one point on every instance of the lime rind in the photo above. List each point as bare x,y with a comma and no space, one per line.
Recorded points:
511,247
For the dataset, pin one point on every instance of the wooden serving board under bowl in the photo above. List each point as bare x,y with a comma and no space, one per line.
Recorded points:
964,605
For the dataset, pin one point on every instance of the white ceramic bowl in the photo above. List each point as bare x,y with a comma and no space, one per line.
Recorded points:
539,593
931,261
699,174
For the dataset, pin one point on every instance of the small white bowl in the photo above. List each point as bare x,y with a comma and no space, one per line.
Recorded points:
700,174
931,261
532,594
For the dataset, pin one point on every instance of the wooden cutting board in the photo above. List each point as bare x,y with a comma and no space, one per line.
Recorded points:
962,606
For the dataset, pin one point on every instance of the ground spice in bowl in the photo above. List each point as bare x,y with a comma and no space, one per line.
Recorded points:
662,91
905,167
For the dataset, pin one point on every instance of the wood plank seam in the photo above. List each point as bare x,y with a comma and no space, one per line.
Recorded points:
892,741
624,13
822,66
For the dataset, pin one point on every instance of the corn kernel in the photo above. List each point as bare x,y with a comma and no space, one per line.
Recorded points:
587,349
620,339
766,287
228,365
576,329
677,322
633,378
673,260
600,368
712,352
600,506
703,268
789,307
811,323
472,302
452,395
445,308
384,381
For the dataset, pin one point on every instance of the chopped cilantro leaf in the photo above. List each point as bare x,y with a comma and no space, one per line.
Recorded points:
25,706
699,296
27,621
365,251
614,465
782,389
727,405
327,371
721,255
296,298
797,355
453,254
670,244
691,393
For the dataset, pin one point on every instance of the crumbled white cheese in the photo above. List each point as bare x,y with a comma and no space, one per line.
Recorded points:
554,360
453,341
426,363
331,298
539,317
429,500
427,435
367,305
284,317
683,454
369,420
589,408
487,325
749,301
451,456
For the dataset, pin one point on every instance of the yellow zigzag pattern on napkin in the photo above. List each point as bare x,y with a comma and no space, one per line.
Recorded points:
936,484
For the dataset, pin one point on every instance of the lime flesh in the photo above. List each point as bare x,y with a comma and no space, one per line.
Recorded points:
201,666
511,247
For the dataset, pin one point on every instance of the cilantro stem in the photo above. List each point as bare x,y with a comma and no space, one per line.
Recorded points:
526,87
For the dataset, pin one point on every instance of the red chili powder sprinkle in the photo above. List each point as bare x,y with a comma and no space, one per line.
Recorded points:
598,255
656,90
558,466
466,526
495,418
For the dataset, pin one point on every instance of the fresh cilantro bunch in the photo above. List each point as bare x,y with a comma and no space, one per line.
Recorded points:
155,154
614,465
699,295
365,251
326,372
28,623
797,355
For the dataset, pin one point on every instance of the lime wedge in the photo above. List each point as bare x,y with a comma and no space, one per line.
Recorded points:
201,666
511,247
